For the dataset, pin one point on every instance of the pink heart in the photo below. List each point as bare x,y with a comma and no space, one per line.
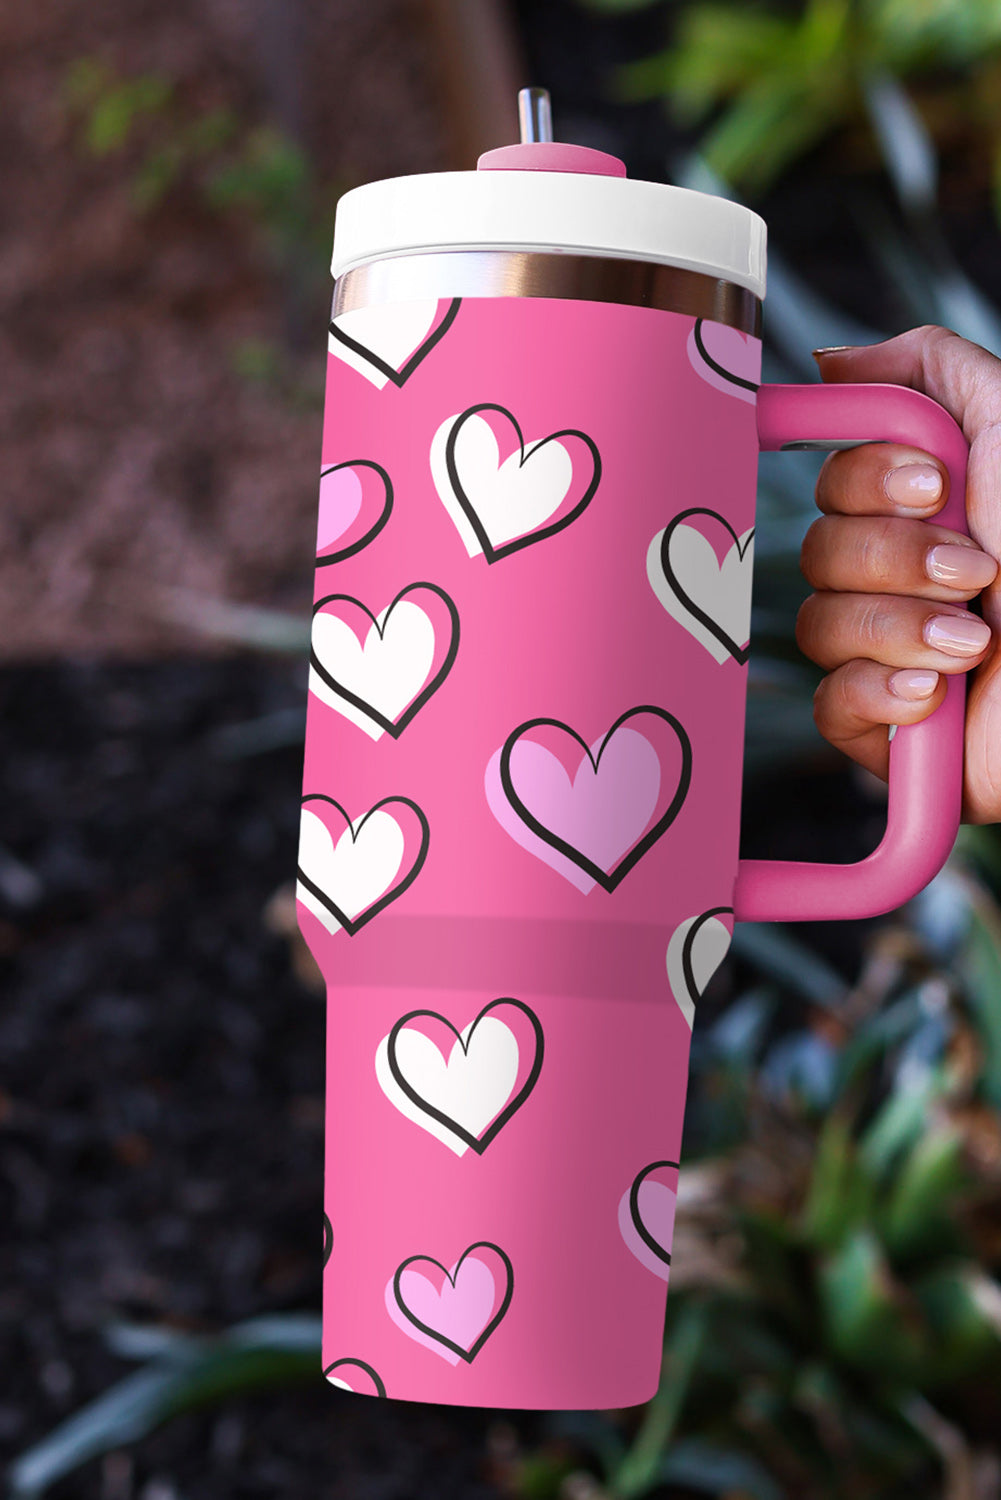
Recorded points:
725,358
340,502
599,808
523,835
452,1311
646,1216
356,500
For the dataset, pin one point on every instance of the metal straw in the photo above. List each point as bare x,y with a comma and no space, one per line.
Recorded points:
535,115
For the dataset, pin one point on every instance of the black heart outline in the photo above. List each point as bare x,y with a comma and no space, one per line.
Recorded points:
373,531
634,1210
400,377
491,553
391,726
748,385
328,1239
467,1354
352,926
359,1364
636,853
695,994
478,1143
739,653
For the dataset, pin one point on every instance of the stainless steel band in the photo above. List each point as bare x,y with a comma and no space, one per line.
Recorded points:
542,273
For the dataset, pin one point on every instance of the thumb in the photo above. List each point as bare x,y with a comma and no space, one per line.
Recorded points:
963,377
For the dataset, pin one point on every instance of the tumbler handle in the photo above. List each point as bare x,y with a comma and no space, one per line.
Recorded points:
926,759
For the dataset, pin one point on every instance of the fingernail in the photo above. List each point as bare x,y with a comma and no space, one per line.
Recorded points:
959,635
916,486
833,349
962,567
913,684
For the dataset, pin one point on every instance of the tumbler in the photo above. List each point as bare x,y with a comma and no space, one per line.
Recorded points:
518,863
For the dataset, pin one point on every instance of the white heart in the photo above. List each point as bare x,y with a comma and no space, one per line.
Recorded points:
392,330
359,868
387,670
722,591
511,498
471,1087
709,949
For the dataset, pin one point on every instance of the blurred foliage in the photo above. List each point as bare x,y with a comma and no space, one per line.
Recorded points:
834,1317
773,80
256,171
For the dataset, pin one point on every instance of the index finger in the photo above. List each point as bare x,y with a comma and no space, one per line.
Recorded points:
963,377
882,479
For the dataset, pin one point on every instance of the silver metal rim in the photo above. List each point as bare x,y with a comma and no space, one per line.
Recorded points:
545,273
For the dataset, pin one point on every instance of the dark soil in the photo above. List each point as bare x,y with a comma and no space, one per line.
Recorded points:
161,1109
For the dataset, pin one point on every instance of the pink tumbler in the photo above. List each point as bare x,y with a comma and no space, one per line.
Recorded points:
519,861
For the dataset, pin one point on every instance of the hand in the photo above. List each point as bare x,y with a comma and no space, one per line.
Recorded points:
884,623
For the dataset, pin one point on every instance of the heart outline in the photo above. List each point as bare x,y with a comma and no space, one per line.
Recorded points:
607,881
714,365
538,534
353,925
398,377
360,1364
394,727
478,1143
740,654
440,1338
687,967
634,1209
369,536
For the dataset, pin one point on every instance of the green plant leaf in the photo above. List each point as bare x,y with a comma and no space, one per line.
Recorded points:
952,1299
124,1414
189,1372
842,1193
979,964
900,1120
638,1469
716,1469
914,1215
904,141
776,951
868,1319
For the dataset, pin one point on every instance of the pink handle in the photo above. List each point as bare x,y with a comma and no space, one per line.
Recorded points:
926,759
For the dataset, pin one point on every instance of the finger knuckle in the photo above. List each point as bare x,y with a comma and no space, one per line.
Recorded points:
935,333
870,626
878,559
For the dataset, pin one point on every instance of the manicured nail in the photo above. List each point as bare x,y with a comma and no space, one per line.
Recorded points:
916,486
913,685
959,635
960,567
833,349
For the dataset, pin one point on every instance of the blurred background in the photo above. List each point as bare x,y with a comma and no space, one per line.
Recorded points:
168,179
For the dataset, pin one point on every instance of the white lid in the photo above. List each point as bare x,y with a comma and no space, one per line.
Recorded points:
551,210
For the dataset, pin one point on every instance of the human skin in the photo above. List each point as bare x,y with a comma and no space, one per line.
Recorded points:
882,581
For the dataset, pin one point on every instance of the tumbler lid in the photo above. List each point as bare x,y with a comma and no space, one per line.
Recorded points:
553,198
